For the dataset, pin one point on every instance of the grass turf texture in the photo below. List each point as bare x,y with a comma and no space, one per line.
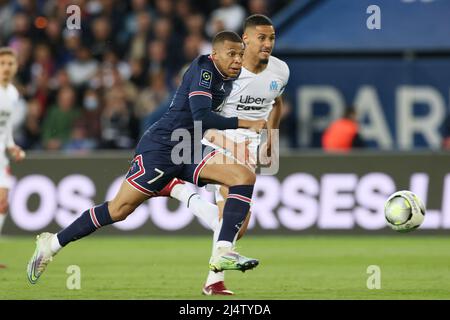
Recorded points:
304,267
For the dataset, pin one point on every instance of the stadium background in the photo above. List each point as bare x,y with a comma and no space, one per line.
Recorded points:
116,75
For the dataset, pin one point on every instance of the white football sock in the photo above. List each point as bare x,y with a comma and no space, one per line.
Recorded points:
54,244
208,212
214,277
2,221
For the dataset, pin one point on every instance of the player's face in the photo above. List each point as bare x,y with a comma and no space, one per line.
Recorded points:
8,67
259,41
228,57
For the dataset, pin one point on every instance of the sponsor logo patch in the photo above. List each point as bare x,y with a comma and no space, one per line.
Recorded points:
205,78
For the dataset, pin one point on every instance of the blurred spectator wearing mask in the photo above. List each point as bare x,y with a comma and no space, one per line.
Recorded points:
117,122
342,135
58,124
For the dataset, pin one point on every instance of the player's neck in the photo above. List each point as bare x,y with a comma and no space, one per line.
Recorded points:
253,64
4,84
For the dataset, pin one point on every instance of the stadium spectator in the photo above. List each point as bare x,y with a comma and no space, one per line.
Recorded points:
125,42
79,141
117,122
195,24
90,114
102,40
82,68
139,38
342,135
58,124
30,133
258,7
156,93
228,16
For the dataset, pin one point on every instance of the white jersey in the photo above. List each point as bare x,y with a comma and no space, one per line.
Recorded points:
9,99
253,96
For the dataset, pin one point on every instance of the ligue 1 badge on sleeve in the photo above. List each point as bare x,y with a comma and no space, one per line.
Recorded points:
205,78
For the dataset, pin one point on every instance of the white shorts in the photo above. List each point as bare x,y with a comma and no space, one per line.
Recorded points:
238,135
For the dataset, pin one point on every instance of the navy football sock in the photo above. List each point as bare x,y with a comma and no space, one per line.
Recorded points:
89,221
235,211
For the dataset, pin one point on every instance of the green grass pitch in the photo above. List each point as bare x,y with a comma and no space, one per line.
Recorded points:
173,267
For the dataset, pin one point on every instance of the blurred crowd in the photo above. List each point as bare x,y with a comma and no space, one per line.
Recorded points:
100,86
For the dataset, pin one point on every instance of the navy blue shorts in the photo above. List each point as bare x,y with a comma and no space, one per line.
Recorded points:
151,171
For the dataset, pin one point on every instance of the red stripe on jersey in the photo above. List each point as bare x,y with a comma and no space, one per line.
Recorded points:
200,93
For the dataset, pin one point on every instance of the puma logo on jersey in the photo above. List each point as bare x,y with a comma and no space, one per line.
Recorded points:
250,99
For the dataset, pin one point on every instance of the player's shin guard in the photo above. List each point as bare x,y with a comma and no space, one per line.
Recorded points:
236,208
89,221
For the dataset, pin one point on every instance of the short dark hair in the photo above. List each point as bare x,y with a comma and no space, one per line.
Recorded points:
7,51
257,20
226,35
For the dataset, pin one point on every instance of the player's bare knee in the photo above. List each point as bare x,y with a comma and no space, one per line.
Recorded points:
247,177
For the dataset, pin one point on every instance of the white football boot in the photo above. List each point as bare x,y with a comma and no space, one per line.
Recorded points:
41,257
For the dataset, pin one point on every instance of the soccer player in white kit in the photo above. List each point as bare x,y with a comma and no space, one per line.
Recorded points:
9,97
256,95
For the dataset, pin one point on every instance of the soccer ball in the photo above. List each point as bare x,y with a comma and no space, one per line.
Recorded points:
404,211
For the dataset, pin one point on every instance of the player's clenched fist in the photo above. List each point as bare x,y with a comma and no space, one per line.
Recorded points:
16,153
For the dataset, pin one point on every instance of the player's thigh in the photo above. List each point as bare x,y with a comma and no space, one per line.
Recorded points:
149,173
125,202
223,170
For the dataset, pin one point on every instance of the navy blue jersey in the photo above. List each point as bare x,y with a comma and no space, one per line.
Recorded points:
203,90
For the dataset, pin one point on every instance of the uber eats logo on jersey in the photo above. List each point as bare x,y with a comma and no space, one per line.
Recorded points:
4,116
250,100
205,78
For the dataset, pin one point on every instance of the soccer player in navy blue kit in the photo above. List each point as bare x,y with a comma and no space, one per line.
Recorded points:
155,169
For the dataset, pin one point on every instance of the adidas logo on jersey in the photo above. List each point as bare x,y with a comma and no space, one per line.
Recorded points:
249,99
